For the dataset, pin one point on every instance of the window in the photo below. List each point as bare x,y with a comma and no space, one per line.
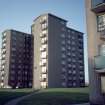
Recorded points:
3,61
3,56
73,54
69,72
13,49
44,40
12,66
4,34
101,22
3,50
44,76
68,47
14,44
74,72
43,84
68,41
12,72
81,78
14,32
72,32
63,29
102,49
13,38
44,26
4,40
73,43
4,44
69,59
81,72
68,30
43,55
63,23
63,62
44,18
74,78
74,84
63,56
73,48
44,60
63,83
97,2
74,60
69,36
2,84
3,67
19,67
63,48
63,35
63,69
69,65
68,53
44,69
44,32
12,78
44,46
63,42
12,60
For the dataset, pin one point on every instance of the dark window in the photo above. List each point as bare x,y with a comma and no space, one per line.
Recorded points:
101,22
97,2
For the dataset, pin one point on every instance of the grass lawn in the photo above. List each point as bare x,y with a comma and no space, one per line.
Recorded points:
58,96
9,94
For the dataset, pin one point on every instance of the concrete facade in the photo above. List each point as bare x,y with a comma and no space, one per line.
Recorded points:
16,68
58,53
96,39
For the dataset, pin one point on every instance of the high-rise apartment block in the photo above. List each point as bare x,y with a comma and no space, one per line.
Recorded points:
16,61
58,54
95,15
51,57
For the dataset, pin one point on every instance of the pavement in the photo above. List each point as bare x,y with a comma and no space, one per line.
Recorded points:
83,104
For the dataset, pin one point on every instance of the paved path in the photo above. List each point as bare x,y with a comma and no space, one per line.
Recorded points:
15,101
83,104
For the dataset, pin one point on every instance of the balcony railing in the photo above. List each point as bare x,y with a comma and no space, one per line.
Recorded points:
98,6
99,63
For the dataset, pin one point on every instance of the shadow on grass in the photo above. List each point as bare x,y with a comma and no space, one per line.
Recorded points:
7,95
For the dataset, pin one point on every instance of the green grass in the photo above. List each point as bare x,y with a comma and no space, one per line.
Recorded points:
59,96
9,94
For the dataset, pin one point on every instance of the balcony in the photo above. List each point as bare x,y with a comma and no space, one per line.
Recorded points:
98,6
43,20
44,41
43,80
99,63
102,35
4,40
42,35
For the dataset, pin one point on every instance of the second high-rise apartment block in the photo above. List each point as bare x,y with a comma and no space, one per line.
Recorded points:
58,54
16,61
51,57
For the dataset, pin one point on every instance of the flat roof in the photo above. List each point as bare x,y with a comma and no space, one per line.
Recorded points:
74,30
52,16
15,31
